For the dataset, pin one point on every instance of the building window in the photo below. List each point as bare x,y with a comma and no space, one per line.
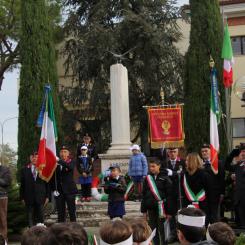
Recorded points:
238,45
238,127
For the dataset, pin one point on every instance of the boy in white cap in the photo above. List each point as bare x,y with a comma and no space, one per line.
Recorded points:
85,168
138,169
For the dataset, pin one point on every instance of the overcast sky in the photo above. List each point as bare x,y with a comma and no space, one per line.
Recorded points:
9,105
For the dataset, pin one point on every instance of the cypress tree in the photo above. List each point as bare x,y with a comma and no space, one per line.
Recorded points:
205,41
38,67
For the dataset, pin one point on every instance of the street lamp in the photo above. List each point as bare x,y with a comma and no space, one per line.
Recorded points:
239,89
2,127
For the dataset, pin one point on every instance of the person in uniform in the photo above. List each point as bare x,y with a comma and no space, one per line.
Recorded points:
87,141
216,185
237,167
34,192
174,169
64,187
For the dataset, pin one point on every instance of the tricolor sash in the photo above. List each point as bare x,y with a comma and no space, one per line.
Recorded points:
155,193
129,188
195,199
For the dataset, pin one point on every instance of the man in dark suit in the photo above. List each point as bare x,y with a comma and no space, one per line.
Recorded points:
63,186
216,185
34,192
174,167
235,163
87,141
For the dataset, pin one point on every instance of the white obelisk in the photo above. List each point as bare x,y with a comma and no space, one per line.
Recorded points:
120,122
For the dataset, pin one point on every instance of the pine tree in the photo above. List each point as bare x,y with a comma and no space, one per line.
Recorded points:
149,30
205,41
38,67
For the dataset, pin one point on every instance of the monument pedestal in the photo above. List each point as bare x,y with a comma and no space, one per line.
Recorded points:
107,160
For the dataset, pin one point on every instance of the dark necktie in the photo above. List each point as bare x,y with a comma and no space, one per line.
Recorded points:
173,163
34,173
207,163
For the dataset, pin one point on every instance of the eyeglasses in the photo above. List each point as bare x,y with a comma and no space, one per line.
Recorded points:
204,150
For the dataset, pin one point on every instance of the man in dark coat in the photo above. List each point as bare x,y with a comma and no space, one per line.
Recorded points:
216,185
91,147
149,204
237,167
34,192
174,168
5,182
63,186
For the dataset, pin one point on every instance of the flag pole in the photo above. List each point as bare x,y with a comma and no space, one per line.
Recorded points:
227,101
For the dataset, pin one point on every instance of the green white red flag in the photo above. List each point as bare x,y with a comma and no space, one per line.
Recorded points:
191,196
214,121
46,162
227,55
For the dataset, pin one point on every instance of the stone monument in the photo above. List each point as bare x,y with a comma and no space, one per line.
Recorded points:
119,152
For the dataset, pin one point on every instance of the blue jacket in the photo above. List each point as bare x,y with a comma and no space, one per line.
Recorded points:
138,165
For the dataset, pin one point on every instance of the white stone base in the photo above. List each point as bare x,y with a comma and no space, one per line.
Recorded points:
119,149
108,159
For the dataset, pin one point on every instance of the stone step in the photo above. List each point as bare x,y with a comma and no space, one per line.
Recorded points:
92,214
103,208
95,215
98,204
94,221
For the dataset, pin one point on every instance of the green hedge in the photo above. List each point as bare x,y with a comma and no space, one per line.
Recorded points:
241,239
17,219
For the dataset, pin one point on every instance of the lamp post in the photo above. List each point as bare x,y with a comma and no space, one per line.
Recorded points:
2,130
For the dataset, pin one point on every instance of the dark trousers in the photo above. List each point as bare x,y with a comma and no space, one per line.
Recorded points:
173,227
86,190
35,214
212,215
158,223
241,212
3,216
61,202
138,187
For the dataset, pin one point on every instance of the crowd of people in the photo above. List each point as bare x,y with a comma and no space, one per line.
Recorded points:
164,186
190,230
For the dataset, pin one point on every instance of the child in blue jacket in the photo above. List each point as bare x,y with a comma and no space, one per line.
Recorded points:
138,169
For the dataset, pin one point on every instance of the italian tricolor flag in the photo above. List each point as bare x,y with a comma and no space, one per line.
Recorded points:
227,55
214,121
46,162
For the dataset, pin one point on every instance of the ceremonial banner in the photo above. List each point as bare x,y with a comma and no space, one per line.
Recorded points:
166,127
215,115
46,162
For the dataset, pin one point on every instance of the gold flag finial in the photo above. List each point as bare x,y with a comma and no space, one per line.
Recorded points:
162,96
211,62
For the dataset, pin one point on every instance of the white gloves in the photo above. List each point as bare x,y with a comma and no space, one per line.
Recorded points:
170,172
